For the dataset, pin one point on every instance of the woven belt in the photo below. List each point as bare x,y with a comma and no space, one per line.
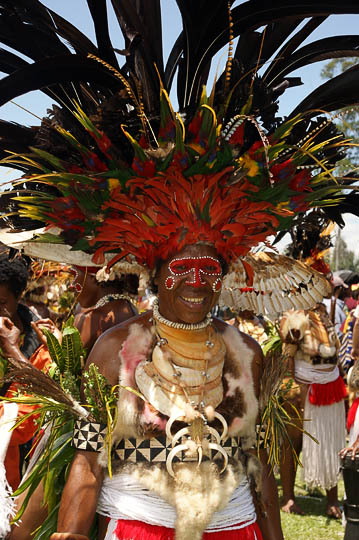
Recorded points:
90,436
320,360
156,450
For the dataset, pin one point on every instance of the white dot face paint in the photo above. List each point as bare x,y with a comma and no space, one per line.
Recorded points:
200,271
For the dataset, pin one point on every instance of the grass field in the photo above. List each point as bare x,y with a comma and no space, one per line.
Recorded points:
314,525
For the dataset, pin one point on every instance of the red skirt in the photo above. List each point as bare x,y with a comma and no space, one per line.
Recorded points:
352,413
329,393
137,530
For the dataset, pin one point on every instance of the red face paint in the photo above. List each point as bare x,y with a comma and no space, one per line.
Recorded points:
199,270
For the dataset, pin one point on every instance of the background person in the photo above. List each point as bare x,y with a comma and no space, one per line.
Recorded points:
311,342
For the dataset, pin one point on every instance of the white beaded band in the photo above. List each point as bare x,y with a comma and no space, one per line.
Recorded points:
111,298
181,326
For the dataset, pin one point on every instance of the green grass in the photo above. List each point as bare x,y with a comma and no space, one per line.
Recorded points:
314,525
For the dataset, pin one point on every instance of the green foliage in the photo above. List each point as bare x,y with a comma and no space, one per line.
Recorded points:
67,301
277,411
343,258
3,365
69,354
348,121
273,344
275,420
337,66
100,396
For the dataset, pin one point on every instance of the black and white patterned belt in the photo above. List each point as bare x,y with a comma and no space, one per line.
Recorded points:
157,449
91,436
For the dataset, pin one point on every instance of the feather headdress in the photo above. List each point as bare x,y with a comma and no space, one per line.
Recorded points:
116,176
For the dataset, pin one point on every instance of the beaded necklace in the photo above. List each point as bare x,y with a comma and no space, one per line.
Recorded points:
110,298
180,326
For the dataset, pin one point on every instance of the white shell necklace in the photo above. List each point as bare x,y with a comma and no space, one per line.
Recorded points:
110,298
181,326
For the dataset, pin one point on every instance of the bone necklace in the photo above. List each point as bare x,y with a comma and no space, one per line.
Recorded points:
184,382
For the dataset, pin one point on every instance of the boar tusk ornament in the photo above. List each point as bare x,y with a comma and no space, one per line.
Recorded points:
196,438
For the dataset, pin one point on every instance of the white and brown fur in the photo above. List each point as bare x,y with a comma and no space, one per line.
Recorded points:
195,492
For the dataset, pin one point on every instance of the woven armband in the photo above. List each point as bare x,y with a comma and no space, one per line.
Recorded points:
89,436
260,431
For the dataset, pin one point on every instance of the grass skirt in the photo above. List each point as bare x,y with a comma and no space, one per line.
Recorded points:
321,461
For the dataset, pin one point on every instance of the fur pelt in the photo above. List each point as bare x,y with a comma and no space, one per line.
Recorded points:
196,492
135,349
294,325
240,404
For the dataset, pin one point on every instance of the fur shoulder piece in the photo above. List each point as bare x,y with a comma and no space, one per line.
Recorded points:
240,404
293,325
136,348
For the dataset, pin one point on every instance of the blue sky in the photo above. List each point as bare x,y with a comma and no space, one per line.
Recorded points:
77,12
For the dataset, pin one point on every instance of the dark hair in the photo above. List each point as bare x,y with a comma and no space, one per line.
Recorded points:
14,274
126,284
355,294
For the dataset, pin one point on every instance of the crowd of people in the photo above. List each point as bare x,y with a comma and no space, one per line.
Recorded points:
125,417
316,369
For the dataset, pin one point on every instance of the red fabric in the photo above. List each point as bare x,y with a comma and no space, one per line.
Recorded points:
137,530
327,394
352,412
25,431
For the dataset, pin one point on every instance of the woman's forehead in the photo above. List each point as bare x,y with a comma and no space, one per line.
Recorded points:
196,250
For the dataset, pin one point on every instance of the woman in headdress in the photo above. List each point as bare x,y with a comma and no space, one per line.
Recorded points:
20,338
117,175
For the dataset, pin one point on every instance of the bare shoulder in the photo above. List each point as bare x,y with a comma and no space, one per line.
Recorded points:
119,310
105,352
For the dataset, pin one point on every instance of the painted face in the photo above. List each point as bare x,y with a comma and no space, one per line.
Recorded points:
189,284
197,270
8,302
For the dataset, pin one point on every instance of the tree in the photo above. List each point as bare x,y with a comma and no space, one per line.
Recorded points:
343,258
348,121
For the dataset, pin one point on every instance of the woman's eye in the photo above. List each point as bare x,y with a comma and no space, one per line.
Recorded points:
180,268
211,269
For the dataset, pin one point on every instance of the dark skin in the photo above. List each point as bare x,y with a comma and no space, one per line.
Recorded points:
91,323
353,450
288,465
11,325
82,489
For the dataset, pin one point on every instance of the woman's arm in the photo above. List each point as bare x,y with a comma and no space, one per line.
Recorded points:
269,520
79,498
268,515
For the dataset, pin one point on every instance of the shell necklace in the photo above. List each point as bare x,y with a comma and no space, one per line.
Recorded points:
181,326
110,298
184,382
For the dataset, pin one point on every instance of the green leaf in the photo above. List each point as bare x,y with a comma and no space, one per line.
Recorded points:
72,349
55,349
49,238
50,158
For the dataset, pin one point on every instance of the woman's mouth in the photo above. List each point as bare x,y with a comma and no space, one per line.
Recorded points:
193,302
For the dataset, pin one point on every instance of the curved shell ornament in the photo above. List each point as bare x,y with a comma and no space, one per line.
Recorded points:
195,438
